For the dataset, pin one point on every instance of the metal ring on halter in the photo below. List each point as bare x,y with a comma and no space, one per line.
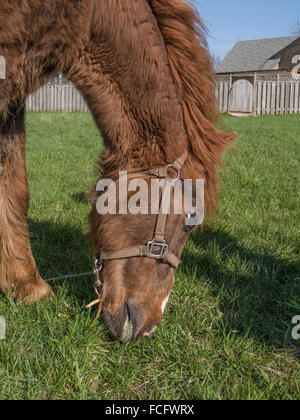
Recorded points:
176,169
98,283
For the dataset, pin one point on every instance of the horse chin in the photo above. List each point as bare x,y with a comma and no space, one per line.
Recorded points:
151,331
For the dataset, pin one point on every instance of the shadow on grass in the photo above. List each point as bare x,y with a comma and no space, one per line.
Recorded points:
259,294
62,250
81,197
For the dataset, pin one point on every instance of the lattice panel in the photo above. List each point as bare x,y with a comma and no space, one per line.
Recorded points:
223,78
267,77
287,78
281,77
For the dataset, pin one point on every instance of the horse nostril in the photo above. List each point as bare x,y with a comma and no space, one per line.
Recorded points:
128,311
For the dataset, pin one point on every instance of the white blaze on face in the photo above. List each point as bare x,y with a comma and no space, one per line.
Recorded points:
166,300
164,304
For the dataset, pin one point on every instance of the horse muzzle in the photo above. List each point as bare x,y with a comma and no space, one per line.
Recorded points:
128,325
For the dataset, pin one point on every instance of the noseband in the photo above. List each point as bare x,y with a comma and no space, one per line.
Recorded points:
157,248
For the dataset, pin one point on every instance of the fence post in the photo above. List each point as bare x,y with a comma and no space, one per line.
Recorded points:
254,94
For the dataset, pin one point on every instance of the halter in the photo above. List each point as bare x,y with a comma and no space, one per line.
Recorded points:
157,248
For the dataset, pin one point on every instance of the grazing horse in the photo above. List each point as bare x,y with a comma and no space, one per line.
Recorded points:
144,70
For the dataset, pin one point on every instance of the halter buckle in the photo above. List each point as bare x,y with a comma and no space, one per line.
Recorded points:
163,246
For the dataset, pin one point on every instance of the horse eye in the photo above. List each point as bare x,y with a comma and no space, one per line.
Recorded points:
190,215
188,221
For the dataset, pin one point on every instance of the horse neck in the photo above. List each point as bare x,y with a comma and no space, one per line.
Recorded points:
125,76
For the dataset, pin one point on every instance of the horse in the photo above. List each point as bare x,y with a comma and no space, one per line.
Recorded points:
144,69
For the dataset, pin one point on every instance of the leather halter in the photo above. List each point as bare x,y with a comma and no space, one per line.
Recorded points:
157,248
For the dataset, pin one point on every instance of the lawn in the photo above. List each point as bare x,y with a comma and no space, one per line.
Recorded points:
227,331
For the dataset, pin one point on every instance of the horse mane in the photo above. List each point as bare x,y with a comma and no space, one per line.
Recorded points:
192,70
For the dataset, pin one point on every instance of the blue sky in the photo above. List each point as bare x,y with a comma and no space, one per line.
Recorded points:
230,21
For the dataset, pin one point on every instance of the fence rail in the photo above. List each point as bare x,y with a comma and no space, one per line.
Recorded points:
266,95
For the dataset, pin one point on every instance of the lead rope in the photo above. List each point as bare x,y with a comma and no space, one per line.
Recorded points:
97,285
70,276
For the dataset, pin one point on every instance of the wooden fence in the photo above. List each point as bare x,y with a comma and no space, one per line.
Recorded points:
56,97
265,94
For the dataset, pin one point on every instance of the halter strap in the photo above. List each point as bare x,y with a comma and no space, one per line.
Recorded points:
157,248
143,251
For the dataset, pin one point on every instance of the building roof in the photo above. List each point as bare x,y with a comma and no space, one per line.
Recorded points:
255,55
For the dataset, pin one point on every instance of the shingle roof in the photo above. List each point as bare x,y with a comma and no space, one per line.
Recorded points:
254,55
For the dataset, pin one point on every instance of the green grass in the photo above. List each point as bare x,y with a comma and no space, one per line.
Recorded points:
227,331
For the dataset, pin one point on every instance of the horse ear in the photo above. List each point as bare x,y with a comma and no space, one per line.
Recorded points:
92,196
